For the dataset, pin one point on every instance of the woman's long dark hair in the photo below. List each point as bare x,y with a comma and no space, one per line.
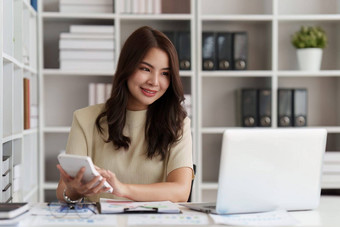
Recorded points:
165,117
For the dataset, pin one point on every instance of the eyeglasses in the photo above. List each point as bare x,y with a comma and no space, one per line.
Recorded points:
83,210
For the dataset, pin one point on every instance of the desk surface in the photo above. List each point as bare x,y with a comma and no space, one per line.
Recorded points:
327,215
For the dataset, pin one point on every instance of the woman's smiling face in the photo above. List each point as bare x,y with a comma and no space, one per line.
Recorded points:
150,80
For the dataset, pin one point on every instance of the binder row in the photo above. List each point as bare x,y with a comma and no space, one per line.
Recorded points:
182,42
255,105
292,107
224,50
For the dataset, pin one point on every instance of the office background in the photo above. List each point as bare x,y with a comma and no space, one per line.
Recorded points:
36,112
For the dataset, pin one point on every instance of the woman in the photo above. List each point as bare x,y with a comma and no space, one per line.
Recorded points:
140,140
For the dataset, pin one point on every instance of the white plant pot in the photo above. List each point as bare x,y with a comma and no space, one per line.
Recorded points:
309,59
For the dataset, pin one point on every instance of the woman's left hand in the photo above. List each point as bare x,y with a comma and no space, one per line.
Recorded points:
119,189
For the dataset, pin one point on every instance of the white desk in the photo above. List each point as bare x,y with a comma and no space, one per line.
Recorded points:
327,215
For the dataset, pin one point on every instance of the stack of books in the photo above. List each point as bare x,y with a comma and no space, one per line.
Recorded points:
142,7
99,93
87,47
16,180
331,170
6,185
86,6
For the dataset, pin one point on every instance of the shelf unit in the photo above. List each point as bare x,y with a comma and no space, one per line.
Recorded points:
272,64
18,54
63,92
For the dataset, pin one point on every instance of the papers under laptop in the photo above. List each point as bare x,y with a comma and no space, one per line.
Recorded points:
268,169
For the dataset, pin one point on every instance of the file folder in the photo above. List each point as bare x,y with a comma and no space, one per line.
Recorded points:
224,50
249,107
184,50
265,107
208,51
285,105
240,50
300,107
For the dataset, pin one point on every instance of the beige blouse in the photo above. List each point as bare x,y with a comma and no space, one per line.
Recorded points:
131,166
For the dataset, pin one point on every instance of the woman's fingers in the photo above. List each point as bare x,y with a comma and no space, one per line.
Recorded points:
80,174
98,187
63,174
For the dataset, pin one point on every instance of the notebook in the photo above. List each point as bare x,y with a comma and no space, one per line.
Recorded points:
11,210
267,169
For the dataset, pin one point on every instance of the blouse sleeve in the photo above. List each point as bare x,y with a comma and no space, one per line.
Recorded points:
76,143
181,152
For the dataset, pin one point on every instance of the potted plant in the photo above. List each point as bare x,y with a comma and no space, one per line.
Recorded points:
309,41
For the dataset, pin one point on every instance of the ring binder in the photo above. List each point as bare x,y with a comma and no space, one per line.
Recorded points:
240,40
285,112
208,51
300,107
249,107
265,107
224,50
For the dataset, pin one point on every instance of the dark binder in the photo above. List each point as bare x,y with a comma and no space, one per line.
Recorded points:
285,107
265,107
249,107
240,50
172,37
208,51
184,50
300,107
224,43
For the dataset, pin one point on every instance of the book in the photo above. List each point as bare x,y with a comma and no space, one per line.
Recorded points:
87,54
110,206
34,4
332,157
87,2
11,210
68,41
157,6
85,8
99,65
27,105
331,168
92,29
5,164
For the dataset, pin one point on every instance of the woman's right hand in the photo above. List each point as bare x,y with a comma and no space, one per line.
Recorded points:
75,189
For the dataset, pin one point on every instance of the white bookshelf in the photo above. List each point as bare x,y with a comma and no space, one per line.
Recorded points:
63,92
272,64
18,51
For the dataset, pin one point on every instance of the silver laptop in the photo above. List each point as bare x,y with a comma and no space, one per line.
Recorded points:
268,169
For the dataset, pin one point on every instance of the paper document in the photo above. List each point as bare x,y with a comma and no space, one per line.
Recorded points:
168,219
110,206
272,218
98,220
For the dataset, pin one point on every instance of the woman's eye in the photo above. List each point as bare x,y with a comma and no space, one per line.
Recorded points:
145,69
165,73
